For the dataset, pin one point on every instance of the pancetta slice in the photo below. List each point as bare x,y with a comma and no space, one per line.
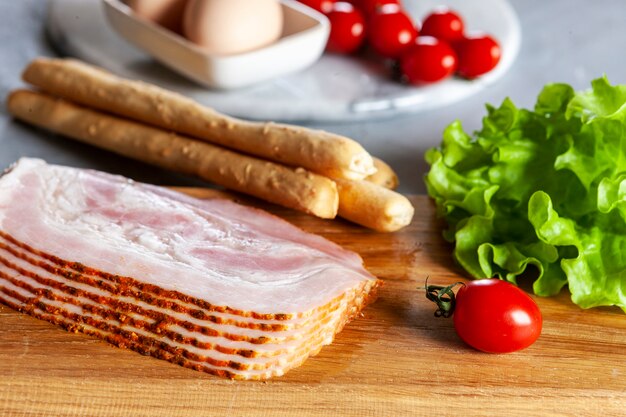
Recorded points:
125,298
127,328
208,284
69,297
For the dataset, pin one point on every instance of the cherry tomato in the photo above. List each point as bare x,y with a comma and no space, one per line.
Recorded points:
369,7
443,24
323,6
390,34
428,60
347,28
495,316
477,55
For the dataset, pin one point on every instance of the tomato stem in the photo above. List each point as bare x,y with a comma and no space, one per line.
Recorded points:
443,297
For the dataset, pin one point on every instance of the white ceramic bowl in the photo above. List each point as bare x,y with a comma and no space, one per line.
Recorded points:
302,42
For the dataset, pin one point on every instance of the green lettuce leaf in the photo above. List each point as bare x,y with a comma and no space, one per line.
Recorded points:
543,187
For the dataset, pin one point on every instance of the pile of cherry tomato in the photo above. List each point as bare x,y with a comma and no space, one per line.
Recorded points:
434,52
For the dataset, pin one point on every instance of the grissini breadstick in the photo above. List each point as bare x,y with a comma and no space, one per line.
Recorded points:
294,188
318,151
384,176
373,206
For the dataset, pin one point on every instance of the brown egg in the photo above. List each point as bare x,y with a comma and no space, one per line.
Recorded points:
226,27
167,13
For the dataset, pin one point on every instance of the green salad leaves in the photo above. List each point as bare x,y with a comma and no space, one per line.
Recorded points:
545,188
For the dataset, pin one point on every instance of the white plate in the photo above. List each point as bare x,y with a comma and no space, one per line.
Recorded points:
336,88
302,43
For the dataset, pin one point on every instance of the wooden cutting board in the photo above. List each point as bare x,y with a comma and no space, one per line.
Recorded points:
396,360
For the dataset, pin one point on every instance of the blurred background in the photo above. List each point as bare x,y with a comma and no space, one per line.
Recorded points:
571,41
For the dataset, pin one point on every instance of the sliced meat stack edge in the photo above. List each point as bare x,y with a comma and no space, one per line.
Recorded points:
208,284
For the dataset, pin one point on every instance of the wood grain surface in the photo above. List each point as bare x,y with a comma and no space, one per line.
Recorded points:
396,360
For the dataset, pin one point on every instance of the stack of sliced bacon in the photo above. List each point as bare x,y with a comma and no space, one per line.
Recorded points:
207,284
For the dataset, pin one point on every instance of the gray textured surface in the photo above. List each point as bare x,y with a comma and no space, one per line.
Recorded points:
571,41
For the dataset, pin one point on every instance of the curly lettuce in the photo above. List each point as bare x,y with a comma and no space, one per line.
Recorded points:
545,188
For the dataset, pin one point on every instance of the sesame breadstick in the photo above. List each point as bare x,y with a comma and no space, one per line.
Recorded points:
384,176
318,151
373,206
294,188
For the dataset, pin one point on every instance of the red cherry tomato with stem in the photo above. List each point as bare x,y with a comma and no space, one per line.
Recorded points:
428,60
477,55
347,28
443,24
391,34
490,315
322,6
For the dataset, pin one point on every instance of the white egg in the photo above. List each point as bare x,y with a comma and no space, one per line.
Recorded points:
226,27
167,13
